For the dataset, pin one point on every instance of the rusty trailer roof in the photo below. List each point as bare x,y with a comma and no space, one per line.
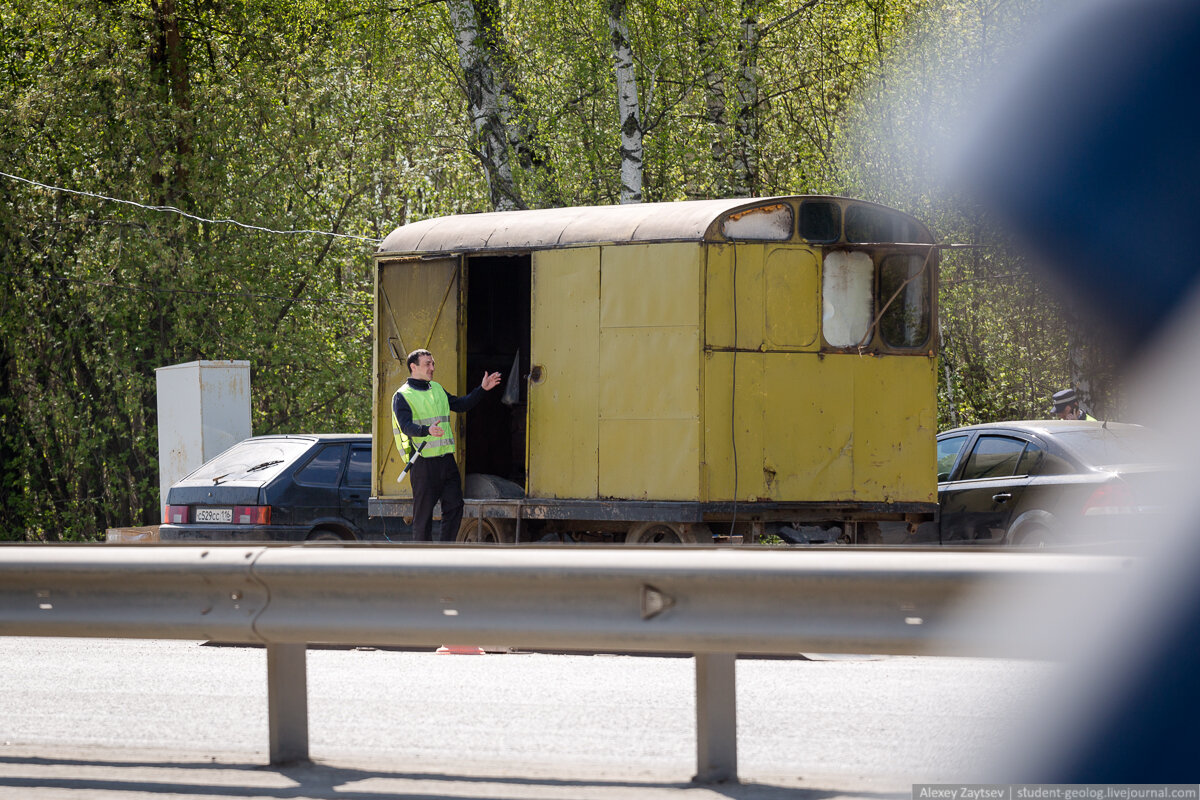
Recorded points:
688,220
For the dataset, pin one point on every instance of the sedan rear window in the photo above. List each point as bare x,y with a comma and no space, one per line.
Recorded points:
947,453
252,461
993,457
358,472
1102,447
324,468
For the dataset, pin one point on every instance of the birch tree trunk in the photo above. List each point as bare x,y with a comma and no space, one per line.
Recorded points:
477,40
715,104
627,103
745,179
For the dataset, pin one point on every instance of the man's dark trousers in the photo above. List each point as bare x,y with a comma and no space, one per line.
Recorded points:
436,479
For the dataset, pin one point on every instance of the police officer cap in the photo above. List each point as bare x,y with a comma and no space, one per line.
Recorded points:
1063,399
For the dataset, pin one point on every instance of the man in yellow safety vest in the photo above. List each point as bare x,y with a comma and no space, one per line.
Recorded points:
421,416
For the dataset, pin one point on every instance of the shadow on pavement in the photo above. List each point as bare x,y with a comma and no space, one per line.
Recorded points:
35,777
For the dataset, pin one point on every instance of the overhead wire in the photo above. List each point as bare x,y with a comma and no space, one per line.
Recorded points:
188,215
195,217
204,292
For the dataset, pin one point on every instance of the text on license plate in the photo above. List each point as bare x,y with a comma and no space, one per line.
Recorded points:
214,515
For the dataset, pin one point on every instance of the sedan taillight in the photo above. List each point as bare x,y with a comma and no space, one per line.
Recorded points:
1112,498
177,515
252,515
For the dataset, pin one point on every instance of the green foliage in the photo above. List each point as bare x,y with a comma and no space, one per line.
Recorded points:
350,117
1004,332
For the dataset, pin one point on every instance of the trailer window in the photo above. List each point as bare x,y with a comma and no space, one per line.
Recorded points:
846,298
820,221
904,296
771,223
867,224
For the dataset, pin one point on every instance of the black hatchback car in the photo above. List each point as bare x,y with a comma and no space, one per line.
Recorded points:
281,488
1048,482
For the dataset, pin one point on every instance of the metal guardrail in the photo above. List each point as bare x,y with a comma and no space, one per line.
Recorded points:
715,603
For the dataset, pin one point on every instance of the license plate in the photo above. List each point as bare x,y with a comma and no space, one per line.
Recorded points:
214,515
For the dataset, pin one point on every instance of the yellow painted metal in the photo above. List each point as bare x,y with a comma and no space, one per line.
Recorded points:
562,438
778,294
729,304
810,412
650,343
894,426
658,367
802,426
810,428
734,427
792,282
418,304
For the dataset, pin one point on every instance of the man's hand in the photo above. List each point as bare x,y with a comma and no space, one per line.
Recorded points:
435,430
490,381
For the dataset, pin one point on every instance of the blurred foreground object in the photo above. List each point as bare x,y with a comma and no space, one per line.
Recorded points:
1091,156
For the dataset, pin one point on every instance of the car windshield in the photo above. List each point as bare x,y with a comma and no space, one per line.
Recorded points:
1102,447
252,460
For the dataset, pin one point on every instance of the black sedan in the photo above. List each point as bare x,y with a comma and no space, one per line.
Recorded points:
1048,482
281,488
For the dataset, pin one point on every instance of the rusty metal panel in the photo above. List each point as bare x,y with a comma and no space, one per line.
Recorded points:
733,426
778,296
650,363
792,283
650,285
563,394
852,427
811,435
418,304
828,429
895,426
721,315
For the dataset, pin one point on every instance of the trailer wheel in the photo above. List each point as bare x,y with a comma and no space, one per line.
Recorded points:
661,533
486,531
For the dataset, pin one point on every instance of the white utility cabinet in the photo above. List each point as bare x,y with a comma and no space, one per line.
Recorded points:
203,409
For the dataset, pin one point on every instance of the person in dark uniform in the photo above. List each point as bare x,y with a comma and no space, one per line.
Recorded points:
421,416
1066,406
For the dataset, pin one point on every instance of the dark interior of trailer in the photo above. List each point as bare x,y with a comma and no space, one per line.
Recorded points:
498,326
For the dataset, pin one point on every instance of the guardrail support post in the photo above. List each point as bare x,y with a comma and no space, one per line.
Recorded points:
287,702
716,718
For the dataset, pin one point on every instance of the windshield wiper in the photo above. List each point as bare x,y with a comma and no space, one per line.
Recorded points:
256,467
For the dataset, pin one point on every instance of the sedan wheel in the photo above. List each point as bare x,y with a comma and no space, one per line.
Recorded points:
1036,536
325,535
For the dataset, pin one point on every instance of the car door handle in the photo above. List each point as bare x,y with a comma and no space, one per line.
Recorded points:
1003,497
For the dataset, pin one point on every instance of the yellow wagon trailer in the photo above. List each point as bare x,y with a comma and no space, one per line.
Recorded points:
685,371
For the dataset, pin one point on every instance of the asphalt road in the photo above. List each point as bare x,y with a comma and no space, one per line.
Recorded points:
497,725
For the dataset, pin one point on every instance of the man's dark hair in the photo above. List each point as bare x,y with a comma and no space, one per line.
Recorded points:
415,357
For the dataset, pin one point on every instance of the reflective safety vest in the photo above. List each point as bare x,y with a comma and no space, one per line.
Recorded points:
431,407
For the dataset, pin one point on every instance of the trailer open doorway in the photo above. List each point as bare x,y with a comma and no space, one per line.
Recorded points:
497,329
